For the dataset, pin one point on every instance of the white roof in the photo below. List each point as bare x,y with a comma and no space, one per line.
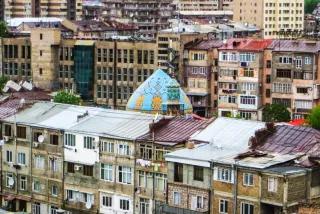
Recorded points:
15,22
207,13
224,138
99,121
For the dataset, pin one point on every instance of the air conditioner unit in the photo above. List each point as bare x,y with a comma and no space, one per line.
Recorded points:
35,144
77,167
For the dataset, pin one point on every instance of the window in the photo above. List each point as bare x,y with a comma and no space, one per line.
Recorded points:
36,186
198,56
9,178
53,210
106,172
39,162
70,167
248,100
54,139
107,201
298,62
69,140
269,63
161,181
197,202
70,194
268,78
41,36
224,175
227,99
247,57
282,88
302,90
124,204
87,170
88,142
123,149
247,179
285,60
272,184
198,173
178,172
268,93
53,164
21,158
36,208
21,132
7,130
284,102
248,72
146,151
307,60
9,156
282,73
54,190
223,206
107,146
144,206
23,182
246,208
124,174
176,198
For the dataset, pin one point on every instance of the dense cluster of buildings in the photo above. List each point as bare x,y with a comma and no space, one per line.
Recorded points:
156,157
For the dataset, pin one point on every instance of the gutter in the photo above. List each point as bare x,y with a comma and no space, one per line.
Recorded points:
235,187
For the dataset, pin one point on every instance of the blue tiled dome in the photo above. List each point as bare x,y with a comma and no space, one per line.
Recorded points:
157,93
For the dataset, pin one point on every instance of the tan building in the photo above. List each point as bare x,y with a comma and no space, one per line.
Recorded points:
71,9
273,16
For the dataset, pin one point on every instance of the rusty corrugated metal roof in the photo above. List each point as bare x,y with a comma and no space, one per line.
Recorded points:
204,44
177,130
246,44
295,46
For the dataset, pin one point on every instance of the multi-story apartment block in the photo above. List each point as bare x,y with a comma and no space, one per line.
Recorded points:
294,75
150,16
241,63
199,6
151,168
70,9
191,184
49,165
201,73
273,16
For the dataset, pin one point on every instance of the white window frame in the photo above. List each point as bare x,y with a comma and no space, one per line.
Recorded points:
200,202
247,178
88,142
176,198
124,204
298,62
106,172
243,204
69,140
21,158
224,175
8,176
108,199
36,183
107,146
272,184
307,60
23,183
123,149
39,162
223,203
9,156
126,174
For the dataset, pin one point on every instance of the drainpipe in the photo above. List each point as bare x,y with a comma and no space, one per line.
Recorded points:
235,187
153,171
211,170
134,177
285,195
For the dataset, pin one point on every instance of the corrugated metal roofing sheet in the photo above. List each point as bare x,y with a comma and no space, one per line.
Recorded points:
295,46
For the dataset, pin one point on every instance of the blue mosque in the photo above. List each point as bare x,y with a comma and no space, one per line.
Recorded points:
160,94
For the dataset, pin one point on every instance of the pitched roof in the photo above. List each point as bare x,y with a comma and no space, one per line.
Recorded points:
246,44
292,140
295,46
204,44
176,130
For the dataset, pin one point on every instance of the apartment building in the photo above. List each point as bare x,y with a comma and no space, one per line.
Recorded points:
42,165
241,63
199,6
201,74
70,9
191,186
294,76
273,16
149,16
151,169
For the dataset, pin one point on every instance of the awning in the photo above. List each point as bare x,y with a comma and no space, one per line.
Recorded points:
197,94
84,43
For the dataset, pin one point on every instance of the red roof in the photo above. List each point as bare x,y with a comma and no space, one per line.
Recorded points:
176,130
297,122
204,44
246,44
292,140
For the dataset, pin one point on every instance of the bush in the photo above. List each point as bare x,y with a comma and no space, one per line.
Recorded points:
275,113
67,98
3,29
309,5
314,117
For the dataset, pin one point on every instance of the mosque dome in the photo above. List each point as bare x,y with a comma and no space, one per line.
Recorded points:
160,94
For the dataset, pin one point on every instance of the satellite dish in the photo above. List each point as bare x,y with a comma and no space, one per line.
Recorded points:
40,139
11,181
88,205
22,101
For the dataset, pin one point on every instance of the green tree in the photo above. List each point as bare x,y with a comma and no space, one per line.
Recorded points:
67,98
3,29
275,113
3,81
309,5
314,117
